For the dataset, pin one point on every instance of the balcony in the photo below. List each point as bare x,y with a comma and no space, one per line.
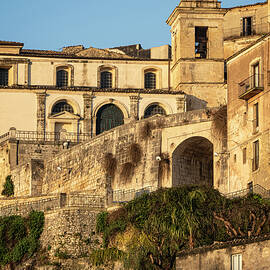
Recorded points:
251,86
258,29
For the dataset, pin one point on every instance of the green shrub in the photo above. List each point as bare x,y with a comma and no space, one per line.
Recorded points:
19,237
8,188
165,222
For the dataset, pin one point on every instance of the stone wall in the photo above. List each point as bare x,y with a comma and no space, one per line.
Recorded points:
70,232
255,255
24,205
82,167
4,164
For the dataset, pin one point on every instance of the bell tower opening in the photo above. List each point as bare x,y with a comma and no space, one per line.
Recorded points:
201,41
198,52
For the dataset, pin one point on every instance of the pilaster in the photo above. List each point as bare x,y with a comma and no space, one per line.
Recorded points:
87,112
181,103
134,107
41,111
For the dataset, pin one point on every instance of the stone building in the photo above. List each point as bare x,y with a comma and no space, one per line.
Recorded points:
248,120
53,100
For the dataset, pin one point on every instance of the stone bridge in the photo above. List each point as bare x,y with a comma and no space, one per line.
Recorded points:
161,151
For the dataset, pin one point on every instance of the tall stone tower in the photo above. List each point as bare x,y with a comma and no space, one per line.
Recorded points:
197,52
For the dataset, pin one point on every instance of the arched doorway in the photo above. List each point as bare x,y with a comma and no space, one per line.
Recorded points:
192,162
108,117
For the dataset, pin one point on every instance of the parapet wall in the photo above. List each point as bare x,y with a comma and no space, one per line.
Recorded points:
24,205
81,167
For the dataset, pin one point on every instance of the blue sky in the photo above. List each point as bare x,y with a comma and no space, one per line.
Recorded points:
53,24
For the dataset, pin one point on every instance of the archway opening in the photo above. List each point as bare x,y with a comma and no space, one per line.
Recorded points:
154,109
192,162
108,117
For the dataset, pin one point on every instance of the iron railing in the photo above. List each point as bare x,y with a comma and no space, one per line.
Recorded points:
258,189
22,135
4,137
255,81
130,194
236,32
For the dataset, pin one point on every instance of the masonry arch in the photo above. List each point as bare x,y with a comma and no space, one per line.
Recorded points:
153,103
192,162
69,100
108,117
63,114
107,76
66,69
153,70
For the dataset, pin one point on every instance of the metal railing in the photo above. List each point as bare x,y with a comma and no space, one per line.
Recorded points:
236,32
130,194
253,82
85,200
22,135
4,137
258,189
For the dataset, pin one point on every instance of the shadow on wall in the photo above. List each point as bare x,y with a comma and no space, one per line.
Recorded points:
194,103
192,162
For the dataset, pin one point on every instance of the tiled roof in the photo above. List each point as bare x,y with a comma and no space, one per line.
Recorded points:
45,52
12,43
101,53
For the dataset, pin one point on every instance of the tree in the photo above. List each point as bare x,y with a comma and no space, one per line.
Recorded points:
8,187
148,232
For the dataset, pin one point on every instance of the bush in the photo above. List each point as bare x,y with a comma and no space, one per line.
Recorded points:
8,188
19,237
158,225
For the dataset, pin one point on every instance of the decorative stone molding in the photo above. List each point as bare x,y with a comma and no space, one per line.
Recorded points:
87,112
41,104
181,103
134,107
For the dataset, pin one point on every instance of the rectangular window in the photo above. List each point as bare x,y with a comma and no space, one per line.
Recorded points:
255,155
255,117
247,26
237,262
3,76
244,155
256,75
201,42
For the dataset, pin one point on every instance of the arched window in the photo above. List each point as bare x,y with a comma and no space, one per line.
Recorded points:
106,79
154,109
3,76
62,78
108,117
150,80
62,106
